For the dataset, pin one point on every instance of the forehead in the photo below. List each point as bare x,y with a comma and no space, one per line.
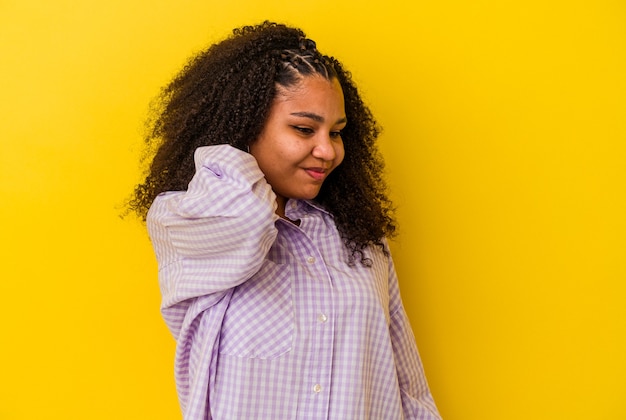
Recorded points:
312,92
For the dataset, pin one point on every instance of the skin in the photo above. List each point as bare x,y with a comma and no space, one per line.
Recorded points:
301,143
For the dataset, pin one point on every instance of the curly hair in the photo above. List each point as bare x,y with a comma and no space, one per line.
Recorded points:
224,95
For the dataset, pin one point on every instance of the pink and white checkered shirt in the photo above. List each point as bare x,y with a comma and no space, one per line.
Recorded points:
270,321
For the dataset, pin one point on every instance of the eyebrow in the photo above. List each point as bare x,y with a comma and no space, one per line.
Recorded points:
316,117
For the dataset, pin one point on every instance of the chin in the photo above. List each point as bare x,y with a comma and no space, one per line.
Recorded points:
307,196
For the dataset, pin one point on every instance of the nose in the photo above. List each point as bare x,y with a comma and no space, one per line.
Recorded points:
324,148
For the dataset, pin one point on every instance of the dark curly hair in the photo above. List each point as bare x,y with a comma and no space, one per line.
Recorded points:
224,95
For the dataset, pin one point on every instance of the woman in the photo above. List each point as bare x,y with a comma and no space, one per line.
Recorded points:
268,216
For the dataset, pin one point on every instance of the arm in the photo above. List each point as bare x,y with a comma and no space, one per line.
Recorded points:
207,240
417,401
213,236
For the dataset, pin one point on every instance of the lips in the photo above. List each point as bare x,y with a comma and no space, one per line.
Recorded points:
316,173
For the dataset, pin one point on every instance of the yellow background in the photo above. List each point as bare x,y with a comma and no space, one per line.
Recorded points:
505,143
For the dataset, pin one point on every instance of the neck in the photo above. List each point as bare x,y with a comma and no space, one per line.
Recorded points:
281,202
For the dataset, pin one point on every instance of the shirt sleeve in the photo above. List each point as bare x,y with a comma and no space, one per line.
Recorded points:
214,236
417,401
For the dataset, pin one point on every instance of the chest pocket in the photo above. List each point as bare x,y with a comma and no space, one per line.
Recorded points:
259,321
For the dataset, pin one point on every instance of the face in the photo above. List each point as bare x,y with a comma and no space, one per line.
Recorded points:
301,142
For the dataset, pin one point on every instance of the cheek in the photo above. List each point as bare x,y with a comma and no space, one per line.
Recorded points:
266,153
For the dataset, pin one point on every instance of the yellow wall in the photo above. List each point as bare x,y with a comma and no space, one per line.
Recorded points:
505,137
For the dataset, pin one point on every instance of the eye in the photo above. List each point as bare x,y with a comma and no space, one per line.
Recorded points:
335,134
303,130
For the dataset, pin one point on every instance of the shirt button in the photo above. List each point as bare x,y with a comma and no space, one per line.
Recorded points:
317,388
310,260
294,205
322,318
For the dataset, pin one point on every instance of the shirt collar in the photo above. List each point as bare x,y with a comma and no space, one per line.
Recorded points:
295,208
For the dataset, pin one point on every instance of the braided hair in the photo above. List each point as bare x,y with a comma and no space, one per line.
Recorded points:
224,94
